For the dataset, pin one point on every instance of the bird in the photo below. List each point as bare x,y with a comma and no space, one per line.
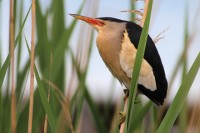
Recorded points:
117,42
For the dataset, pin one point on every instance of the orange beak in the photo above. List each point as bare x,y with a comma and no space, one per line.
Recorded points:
92,21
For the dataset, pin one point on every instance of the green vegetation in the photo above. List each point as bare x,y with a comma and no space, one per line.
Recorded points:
53,57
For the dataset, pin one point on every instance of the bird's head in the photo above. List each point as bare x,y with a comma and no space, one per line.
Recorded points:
99,23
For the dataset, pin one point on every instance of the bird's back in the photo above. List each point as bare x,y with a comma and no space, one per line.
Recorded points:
152,56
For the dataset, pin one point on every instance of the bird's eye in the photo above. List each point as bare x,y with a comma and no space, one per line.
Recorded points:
101,23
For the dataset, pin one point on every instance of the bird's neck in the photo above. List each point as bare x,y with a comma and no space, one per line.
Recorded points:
109,46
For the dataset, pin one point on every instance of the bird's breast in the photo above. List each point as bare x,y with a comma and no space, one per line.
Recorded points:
119,54
109,48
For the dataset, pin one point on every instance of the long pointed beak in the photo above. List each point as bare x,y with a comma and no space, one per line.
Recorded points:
92,21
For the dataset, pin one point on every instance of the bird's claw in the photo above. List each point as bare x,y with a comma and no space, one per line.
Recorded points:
122,117
126,92
137,100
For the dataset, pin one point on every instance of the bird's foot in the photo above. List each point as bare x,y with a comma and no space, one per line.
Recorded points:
126,92
122,117
137,100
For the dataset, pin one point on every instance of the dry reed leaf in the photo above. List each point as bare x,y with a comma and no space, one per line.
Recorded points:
138,12
159,37
64,103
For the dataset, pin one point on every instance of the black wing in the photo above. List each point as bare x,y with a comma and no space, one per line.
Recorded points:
152,56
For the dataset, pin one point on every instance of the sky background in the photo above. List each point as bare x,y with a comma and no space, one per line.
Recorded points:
165,14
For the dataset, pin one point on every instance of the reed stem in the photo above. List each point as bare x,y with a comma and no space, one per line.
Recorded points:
30,120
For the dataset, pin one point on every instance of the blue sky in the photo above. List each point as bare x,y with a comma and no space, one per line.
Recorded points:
166,13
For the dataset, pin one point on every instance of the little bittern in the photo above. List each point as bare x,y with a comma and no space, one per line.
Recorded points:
117,42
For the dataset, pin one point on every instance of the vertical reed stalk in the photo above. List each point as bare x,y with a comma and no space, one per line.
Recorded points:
11,41
145,12
122,126
30,120
46,118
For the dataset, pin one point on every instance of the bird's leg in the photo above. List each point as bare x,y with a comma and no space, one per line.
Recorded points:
123,113
126,92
